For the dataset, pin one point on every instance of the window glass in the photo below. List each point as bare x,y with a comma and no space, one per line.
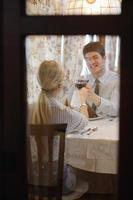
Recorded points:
99,147
73,7
68,51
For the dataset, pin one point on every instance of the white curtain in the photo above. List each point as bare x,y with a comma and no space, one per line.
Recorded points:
39,48
112,50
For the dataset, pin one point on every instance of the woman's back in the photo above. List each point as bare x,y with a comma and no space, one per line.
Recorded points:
62,114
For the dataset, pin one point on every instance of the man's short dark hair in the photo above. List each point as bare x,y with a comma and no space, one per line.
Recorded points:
94,46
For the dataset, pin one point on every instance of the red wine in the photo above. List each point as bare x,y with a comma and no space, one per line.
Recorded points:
81,83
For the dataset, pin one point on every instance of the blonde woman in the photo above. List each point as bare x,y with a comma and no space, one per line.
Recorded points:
49,110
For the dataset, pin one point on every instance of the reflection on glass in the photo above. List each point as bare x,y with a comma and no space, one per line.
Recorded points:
73,7
94,148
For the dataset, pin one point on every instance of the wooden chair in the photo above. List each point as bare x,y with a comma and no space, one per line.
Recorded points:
43,184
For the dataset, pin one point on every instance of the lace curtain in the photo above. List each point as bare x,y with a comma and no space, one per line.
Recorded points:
72,7
112,50
39,48
44,7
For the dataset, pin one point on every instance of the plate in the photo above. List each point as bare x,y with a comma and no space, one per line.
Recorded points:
95,118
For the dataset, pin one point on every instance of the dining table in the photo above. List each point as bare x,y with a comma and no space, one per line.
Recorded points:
95,150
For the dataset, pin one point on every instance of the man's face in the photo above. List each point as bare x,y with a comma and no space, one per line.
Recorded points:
95,62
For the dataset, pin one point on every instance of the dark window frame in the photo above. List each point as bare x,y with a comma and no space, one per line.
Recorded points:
15,26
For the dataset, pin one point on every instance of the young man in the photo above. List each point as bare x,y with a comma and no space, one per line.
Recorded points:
102,90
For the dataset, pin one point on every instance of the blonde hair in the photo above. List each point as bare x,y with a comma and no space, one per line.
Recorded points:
50,78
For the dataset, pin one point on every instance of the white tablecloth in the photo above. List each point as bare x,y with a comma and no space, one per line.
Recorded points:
96,152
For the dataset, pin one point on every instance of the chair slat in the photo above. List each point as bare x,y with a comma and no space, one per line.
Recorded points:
39,132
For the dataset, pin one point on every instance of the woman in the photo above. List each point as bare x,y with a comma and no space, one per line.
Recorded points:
49,110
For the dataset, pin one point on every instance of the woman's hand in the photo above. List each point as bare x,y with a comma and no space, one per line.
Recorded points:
83,93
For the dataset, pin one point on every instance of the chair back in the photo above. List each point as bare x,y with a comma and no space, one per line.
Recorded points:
46,144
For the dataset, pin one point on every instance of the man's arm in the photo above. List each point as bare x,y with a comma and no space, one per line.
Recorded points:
110,106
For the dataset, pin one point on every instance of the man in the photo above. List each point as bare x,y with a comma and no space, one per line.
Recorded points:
102,91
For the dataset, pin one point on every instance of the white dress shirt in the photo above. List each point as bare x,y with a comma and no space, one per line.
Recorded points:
108,91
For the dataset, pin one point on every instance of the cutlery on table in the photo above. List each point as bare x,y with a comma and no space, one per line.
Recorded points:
92,130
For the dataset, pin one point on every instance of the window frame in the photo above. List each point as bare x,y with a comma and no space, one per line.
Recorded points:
15,26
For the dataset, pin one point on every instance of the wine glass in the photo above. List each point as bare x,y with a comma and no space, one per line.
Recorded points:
80,83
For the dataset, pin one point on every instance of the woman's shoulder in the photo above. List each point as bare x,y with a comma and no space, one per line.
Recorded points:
54,102
67,111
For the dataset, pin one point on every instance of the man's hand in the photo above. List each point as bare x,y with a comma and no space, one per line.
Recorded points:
86,93
83,93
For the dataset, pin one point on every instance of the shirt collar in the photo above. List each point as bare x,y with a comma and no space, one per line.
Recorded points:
102,79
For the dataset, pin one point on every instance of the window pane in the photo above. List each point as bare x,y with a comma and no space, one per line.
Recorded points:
97,151
73,7
67,50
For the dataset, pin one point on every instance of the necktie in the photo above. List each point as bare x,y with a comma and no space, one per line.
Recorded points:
96,90
97,86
